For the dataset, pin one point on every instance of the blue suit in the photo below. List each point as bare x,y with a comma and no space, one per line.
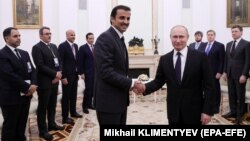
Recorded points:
216,58
86,67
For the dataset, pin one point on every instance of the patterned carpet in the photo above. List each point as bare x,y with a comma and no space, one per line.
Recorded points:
143,110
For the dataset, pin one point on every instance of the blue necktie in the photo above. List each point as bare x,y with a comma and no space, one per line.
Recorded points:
208,49
178,68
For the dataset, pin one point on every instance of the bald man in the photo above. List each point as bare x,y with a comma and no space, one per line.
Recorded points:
68,51
190,93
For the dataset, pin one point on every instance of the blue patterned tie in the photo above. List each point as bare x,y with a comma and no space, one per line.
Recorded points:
208,49
178,68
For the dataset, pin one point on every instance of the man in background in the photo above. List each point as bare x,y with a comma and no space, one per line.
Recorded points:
17,85
49,71
68,52
86,70
236,72
198,41
216,56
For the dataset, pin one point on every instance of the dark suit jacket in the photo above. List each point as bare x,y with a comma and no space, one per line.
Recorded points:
192,46
111,86
216,56
13,72
238,64
69,64
85,61
44,61
186,99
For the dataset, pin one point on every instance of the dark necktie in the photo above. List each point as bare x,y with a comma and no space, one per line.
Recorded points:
233,49
17,54
124,46
178,68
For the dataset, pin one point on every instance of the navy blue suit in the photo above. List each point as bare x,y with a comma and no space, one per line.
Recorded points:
216,58
15,108
69,72
86,67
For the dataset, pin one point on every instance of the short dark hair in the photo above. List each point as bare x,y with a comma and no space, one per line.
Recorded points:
42,28
7,32
198,33
210,30
87,35
237,26
114,10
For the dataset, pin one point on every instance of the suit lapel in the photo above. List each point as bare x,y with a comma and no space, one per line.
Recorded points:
120,44
13,57
171,66
68,47
187,67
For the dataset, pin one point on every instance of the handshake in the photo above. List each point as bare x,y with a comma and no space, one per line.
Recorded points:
139,87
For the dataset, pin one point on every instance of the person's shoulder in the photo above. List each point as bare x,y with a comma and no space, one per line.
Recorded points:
63,44
219,43
23,51
52,44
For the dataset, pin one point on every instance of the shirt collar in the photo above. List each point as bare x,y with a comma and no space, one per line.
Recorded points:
237,40
11,47
45,43
183,51
117,31
70,43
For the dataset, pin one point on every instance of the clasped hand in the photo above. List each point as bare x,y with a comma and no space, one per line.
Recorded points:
139,87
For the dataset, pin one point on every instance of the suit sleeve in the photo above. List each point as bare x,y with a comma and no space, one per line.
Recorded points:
221,58
209,87
246,67
62,53
80,61
159,80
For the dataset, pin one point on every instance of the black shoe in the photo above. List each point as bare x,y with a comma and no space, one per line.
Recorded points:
55,127
76,115
86,111
229,115
46,136
92,107
68,121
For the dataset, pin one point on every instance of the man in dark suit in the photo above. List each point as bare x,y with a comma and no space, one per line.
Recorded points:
198,41
17,85
111,85
216,56
190,92
236,72
68,51
86,70
47,60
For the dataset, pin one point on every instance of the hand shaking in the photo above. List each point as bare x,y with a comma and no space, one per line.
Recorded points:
139,87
